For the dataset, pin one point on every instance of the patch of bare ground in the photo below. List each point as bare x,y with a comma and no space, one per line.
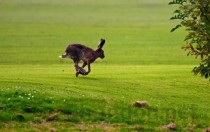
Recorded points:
208,129
101,126
170,126
140,104
54,126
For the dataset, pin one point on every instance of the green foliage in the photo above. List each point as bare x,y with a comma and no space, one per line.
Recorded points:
195,17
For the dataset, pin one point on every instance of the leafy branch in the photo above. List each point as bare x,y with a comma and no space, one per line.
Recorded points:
194,15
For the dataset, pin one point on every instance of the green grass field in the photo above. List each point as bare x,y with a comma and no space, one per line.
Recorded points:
144,61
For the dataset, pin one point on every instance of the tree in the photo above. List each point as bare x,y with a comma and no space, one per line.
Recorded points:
194,15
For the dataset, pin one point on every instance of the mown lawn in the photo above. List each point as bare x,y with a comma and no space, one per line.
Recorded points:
143,61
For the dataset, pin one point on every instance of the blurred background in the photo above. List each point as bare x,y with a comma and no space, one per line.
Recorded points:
136,31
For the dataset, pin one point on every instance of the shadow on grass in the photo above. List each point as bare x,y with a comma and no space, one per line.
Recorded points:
87,78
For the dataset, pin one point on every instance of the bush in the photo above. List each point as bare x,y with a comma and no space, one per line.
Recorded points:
194,15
